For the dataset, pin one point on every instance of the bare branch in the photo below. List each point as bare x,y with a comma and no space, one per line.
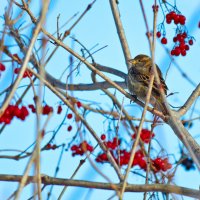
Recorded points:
120,31
47,180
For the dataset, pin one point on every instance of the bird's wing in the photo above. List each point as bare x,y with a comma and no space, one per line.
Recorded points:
145,80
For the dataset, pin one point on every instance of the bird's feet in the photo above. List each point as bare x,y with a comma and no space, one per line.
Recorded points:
134,98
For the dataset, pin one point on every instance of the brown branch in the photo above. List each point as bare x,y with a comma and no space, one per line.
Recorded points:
91,67
47,180
82,87
120,31
71,107
174,122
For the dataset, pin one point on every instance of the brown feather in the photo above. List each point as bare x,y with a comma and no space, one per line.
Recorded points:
142,76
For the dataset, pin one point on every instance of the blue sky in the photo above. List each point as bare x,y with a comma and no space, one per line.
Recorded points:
98,28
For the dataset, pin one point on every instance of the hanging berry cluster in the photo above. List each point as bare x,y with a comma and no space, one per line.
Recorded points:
81,148
181,39
46,109
14,111
145,135
122,156
140,160
160,164
27,73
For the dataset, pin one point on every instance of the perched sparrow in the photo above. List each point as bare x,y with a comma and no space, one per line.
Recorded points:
138,81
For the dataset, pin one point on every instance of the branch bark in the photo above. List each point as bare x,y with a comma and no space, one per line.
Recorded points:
47,180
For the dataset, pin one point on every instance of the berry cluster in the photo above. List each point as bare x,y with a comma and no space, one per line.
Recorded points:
14,111
27,73
45,109
163,39
177,18
81,148
181,44
112,144
145,135
139,158
181,39
160,164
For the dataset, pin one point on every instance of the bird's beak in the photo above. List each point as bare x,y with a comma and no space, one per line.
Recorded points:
132,61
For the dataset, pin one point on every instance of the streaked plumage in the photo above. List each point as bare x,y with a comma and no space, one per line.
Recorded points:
138,81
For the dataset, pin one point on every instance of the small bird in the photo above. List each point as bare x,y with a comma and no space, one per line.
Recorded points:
138,81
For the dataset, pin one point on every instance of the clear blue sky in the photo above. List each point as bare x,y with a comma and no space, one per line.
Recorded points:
97,27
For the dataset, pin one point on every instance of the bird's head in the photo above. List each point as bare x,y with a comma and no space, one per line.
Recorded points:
141,63
140,60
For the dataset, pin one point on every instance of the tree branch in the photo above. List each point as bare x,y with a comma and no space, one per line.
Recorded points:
120,31
47,180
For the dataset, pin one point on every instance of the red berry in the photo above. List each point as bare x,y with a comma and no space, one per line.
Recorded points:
59,110
176,19
24,111
2,67
16,70
182,19
78,103
158,34
69,116
17,112
90,148
183,52
69,128
45,110
172,15
74,147
142,163
175,39
187,47
184,34
172,52
164,40
48,146
182,46
190,42
168,21
103,137
177,51
169,16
